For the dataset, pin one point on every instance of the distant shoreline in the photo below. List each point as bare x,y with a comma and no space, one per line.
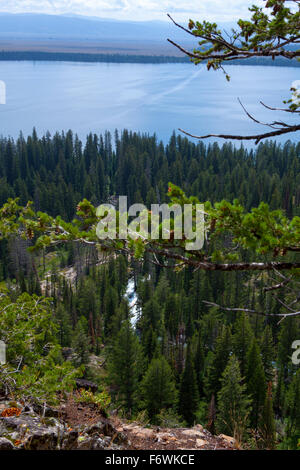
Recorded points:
126,58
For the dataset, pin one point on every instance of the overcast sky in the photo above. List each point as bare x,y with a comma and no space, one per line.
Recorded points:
220,10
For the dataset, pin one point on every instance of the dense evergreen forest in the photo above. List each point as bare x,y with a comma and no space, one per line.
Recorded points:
178,361
90,57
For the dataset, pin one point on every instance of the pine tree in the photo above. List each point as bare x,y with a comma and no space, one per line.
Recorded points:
199,362
126,365
279,391
292,410
256,383
158,386
267,421
188,394
80,342
233,403
150,343
64,327
222,353
242,340
267,352
211,417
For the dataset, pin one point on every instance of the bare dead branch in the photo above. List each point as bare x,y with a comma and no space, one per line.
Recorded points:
207,266
250,311
285,305
277,286
190,54
257,137
285,110
273,125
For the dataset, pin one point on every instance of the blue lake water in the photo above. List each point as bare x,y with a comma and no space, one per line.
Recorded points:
148,98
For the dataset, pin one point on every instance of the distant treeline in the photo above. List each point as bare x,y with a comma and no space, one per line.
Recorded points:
86,57
126,58
57,172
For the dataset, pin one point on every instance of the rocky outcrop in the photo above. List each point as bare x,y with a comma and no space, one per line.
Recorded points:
30,431
78,426
155,438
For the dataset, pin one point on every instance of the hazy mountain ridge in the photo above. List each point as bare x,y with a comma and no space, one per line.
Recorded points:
40,26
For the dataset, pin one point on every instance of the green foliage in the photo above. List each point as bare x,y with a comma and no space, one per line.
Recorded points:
292,412
268,353
270,32
25,325
261,231
64,333
102,399
188,393
35,368
89,311
158,387
233,403
126,365
267,424
168,418
80,342
242,340
199,362
222,352
256,382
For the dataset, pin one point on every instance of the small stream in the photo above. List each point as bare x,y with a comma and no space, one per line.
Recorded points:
132,298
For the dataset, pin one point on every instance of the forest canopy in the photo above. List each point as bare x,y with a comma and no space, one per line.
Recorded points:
181,337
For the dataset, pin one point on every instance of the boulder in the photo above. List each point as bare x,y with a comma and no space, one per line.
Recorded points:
192,433
41,440
201,442
86,442
34,432
6,444
70,441
228,439
46,411
31,431
105,428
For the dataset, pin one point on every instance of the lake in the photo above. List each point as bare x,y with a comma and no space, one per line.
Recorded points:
152,98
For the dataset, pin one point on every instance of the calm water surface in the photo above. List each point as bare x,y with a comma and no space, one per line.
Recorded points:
148,98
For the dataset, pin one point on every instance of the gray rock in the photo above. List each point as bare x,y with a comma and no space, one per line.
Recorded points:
85,443
98,428
46,411
98,444
6,444
70,441
36,433
49,433
43,440
105,428
120,438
